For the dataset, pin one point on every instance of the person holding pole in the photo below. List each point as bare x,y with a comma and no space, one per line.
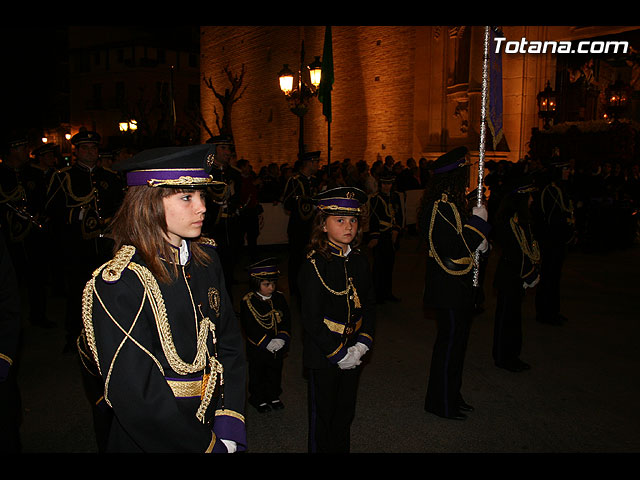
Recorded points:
453,230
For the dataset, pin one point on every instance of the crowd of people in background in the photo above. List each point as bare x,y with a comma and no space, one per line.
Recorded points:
66,205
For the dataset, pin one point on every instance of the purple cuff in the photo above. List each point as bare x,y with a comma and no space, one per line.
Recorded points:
365,339
229,427
339,355
479,224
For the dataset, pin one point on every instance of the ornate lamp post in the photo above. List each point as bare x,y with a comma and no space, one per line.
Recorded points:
547,105
298,95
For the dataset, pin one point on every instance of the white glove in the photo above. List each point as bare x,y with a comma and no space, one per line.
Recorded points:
484,246
532,284
361,349
275,345
350,360
230,444
481,212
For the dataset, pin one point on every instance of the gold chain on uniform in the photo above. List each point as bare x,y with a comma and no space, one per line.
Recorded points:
532,252
156,301
457,227
350,286
268,320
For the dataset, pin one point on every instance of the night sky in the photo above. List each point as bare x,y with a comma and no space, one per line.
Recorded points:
29,78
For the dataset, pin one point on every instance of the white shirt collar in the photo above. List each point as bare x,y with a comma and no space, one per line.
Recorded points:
184,252
262,296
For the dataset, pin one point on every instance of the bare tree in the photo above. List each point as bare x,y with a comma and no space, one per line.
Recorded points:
227,100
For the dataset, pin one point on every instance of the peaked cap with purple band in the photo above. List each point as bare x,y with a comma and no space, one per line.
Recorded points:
341,201
266,269
181,167
450,160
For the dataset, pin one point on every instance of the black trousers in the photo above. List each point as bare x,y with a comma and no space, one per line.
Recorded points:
249,224
507,329
10,414
332,407
447,361
384,255
548,289
265,375
82,258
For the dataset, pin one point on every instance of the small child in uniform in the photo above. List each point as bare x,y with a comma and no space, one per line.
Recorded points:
266,320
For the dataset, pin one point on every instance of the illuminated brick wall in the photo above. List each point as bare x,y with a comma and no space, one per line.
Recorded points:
372,99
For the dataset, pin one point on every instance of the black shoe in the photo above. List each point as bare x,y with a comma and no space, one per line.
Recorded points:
512,366
522,365
277,404
393,298
451,416
263,407
465,407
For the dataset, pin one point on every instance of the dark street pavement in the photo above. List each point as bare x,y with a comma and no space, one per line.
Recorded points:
581,395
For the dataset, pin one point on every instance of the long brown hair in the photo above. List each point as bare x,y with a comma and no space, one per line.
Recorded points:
319,241
140,221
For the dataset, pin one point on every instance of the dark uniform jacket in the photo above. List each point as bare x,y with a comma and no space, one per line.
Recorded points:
451,244
21,201
515,267
265,319
84,199
144,337
297,199
223,205
10,315
385,214
555,225
334,315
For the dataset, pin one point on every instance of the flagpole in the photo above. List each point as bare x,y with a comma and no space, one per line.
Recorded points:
326,85
483,132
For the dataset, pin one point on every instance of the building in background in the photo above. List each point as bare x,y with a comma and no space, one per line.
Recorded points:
137,86
408,91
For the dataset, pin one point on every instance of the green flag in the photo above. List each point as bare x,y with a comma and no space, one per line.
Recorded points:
326,81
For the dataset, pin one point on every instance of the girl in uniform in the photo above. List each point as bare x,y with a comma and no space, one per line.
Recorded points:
159,327
338,314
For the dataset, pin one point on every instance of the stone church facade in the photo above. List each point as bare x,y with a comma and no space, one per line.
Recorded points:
404,91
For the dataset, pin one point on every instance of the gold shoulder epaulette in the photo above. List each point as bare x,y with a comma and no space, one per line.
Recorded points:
207,241
112,270
247,296
311,253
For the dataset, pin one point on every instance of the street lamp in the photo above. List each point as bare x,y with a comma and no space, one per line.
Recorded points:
298,96
547,105
128,125
315,72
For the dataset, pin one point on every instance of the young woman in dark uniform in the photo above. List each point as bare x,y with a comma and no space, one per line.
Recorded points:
158,322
